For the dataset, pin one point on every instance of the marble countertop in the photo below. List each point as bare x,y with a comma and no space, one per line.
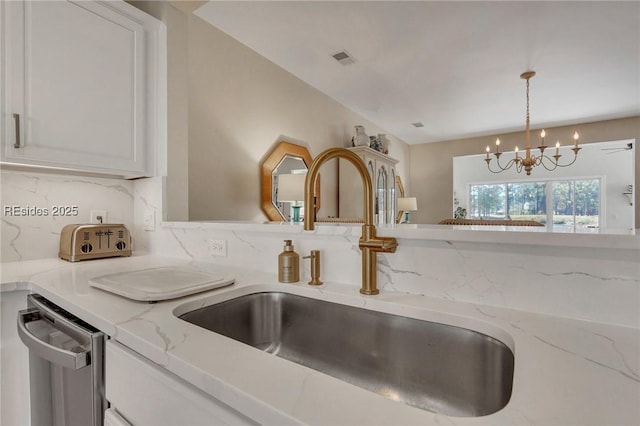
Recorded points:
566,371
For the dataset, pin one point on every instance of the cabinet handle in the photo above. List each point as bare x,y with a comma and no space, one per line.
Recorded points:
16,119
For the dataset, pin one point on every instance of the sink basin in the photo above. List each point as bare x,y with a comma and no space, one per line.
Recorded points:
435,367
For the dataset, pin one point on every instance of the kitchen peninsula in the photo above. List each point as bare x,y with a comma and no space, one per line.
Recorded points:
576,359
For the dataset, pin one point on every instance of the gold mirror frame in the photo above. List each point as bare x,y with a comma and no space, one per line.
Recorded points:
400,187
269,164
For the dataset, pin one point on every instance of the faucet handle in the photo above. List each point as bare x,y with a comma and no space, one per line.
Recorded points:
315,267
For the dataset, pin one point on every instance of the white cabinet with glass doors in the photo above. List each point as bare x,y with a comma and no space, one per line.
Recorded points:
382,170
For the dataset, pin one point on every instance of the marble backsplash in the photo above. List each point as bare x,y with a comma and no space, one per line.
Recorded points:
36,206
592,283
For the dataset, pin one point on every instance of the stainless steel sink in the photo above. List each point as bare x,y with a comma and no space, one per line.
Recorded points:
435,367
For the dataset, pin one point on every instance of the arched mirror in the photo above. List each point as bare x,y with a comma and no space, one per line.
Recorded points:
399,190
370,167
381,196
393,201
282,183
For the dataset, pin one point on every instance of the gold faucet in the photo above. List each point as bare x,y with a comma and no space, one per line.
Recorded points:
370,244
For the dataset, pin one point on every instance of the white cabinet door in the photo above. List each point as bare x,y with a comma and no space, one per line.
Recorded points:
76,86
145,394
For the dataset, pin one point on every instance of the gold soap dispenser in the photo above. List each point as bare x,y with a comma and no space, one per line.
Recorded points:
288,264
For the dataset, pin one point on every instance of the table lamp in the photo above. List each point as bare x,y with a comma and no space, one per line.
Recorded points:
291,190
407,204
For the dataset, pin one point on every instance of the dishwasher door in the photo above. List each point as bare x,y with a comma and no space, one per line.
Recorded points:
66,372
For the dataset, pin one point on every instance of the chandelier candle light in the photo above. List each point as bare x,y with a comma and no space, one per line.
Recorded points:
529,161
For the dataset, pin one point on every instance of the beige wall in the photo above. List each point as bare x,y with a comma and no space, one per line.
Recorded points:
240,105
176,202
431,165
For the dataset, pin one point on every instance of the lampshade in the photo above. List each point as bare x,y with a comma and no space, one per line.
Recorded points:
407,204
291,187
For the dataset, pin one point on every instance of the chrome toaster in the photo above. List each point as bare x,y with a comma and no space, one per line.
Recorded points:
96,241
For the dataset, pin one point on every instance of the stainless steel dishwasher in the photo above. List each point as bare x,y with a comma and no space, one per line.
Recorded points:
66,372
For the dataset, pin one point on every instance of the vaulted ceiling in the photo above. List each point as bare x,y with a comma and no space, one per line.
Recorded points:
454,66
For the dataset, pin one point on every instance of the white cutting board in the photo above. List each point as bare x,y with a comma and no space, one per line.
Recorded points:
155,284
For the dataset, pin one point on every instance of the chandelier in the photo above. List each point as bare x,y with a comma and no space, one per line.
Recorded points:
529,161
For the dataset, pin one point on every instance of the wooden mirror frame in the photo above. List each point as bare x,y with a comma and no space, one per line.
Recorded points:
269,164
400,186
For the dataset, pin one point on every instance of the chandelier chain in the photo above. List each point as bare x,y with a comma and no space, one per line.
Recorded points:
528,103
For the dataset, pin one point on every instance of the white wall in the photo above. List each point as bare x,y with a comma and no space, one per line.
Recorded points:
616,169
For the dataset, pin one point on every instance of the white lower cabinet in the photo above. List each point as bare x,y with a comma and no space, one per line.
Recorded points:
142,393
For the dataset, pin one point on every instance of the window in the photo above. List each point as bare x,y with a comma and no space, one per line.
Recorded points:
569,205
527,201
576,204
488,201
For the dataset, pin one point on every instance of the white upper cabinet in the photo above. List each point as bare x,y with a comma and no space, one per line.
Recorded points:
81,86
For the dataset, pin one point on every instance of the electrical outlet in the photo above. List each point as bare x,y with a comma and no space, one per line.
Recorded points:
218,248
98,216
149,220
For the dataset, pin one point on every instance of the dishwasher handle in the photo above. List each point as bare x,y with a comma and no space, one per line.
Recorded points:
58,356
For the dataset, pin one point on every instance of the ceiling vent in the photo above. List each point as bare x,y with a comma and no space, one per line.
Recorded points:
418,124
343,57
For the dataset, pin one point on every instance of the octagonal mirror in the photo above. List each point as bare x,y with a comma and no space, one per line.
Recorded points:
282,182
